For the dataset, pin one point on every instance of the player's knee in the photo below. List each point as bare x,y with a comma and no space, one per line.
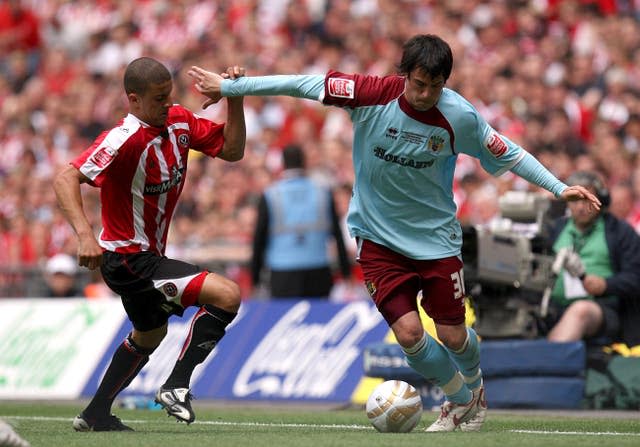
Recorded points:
452,342
408,329
409,336
453,337
226,295
231,300
149,339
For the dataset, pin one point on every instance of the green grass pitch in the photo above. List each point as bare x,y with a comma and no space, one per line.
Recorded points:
49,425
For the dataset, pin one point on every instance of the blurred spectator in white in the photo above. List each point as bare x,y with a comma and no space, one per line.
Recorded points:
612,107
115,49
60,277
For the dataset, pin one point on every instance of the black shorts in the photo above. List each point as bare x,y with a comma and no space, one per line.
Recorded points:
312,283
151,287
610,327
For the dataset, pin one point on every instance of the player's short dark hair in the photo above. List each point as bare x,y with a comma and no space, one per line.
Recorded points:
429,53
293,157
142,72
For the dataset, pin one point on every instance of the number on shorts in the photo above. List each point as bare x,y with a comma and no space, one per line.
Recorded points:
458,284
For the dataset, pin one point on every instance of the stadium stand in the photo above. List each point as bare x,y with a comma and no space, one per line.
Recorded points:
566,88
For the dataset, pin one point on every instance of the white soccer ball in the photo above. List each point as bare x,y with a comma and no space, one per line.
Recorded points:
394,406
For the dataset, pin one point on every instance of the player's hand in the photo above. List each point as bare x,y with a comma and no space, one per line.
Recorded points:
578,192
234,72
207,83
89,253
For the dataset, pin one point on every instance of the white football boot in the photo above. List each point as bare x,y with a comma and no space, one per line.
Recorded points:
177,402
452,415
475,423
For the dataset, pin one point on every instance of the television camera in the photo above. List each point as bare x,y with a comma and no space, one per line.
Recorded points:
509,267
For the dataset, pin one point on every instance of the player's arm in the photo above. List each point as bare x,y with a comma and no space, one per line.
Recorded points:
297,86
235,132
530,169
216,86
67,188
498,154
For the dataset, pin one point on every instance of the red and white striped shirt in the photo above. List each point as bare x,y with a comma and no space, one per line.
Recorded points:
141,170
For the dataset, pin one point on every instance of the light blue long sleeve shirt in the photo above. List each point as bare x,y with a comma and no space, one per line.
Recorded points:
404,159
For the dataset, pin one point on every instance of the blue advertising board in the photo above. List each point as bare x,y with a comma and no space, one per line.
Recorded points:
302,350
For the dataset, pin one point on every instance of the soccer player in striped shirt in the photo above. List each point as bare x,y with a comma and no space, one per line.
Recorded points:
140,167
408,131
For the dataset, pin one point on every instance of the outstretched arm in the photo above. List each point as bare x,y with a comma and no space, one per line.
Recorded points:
67,188
530,169
215,86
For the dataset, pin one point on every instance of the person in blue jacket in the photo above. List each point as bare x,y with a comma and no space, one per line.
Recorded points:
408,132
296,223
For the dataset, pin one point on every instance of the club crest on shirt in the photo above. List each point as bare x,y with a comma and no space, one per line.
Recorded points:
170,289
341,88
103,156
435,143
183,140
495,145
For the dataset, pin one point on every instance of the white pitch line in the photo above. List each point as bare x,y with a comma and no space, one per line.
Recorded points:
324,426
585,433
239,424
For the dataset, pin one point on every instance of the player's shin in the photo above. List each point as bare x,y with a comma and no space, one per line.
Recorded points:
207,328
431,360
125,365
467,359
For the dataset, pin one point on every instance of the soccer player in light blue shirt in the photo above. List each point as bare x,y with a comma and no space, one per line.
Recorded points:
408,131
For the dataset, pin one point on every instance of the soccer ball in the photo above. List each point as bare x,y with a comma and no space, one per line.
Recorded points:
394,406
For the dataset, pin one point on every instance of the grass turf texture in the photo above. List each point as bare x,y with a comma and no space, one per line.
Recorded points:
49,425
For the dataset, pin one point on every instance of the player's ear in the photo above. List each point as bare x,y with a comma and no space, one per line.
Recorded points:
133,98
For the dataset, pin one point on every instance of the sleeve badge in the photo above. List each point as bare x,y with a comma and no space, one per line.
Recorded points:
496,145
341,88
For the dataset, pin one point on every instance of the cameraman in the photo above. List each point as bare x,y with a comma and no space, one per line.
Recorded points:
601,269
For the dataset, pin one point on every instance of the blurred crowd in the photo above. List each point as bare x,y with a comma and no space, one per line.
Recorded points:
560,77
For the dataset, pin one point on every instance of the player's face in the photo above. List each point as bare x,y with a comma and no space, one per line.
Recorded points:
421,90
153,105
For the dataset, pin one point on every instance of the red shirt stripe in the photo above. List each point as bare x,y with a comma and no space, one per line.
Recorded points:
141,171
